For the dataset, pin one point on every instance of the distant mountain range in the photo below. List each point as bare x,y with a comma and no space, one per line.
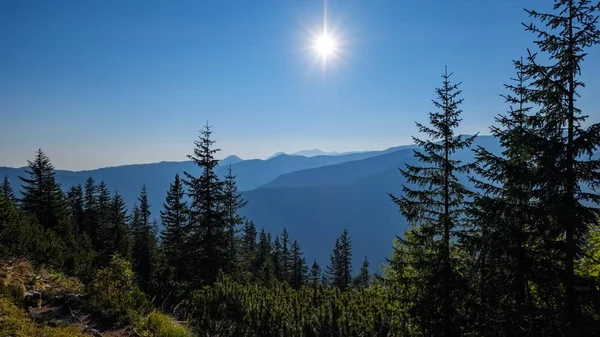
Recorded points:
315,197
315,152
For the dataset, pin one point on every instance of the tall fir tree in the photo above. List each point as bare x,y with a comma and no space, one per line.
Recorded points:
248,245
174,218
315,274
315,281
263,264
299,269
339,270
436,209
145,245
101,216
76,207
116,236
7,192
90,208
284,256
233,202
565,146
42,195
345,262
208,242
332,271
276,256
506,233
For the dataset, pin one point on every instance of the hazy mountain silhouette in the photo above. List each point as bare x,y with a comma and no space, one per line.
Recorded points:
231,160
129,179
352,194
316,152
321,194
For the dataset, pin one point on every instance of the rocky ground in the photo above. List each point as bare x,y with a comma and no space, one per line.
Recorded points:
52,300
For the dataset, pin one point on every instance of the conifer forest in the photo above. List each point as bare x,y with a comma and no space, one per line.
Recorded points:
515,252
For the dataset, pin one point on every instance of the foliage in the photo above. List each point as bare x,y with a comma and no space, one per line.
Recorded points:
15,322
157,324
114,295
174,219
145,253
363,279
7,194
42,196
232,309
206,248
339,271
433,203
563,143
232,202
518,256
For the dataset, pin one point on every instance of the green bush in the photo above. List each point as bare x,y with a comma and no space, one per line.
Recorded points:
115,296
157,324
231,309
15,322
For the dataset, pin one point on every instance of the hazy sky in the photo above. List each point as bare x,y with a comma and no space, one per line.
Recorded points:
102,83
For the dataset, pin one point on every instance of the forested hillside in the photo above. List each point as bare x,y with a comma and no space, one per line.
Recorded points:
500,241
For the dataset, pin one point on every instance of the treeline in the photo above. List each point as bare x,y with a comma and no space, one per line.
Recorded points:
87,232
518,255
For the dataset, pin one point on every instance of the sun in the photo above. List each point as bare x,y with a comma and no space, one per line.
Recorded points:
325,45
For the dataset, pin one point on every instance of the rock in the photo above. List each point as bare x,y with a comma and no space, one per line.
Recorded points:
88,329
33,298
33,293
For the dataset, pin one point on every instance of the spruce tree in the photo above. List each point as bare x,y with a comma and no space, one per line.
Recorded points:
345,262
233,202
436,209
363,279
7,192
315,274
339,270
564,147
332,272
206,251
263,256
315,279
174,219
507,234
276,256
145,244
248,244
90,209
76,207
299,268
285,256
117,237
42,196
102,224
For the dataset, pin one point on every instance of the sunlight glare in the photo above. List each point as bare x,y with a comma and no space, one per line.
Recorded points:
325,45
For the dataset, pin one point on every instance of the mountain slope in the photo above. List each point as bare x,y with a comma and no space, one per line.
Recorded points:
129,179
316,204
349,172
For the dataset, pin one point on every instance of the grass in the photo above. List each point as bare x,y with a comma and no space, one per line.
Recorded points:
15,322
157,324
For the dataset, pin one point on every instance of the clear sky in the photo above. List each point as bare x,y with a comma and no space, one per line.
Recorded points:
103,83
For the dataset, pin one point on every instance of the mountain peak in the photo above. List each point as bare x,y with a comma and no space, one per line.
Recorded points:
231,160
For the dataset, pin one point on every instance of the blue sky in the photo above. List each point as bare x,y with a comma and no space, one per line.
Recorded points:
103,83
